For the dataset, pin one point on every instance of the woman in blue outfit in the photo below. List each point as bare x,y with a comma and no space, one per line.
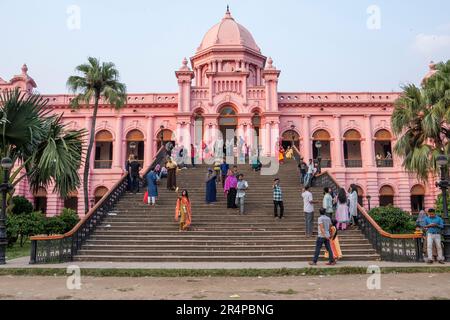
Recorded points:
211,190
152,187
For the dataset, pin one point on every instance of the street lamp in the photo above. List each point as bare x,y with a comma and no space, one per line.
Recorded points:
5,187
319,156
443,184
368,197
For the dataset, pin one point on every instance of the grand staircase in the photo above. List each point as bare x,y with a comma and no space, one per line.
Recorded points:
136,232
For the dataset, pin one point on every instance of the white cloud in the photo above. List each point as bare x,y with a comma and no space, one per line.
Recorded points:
431,45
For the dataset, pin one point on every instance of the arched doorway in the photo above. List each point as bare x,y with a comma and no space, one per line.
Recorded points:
103,150
256,124
325,151
199,132
228,122
383,149
352,149
135,145
291,138
71,202
40,200
99,193
417,198
386,196
165,136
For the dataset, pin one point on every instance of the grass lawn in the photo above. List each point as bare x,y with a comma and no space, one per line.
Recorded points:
17,252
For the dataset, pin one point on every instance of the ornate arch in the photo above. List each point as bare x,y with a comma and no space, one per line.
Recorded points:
388,185
131,128
316,130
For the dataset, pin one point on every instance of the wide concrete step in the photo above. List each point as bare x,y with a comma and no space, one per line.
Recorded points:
177,236
249,242
208,258
224,252
345,247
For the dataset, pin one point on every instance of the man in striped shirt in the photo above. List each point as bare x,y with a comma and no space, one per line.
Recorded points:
278,199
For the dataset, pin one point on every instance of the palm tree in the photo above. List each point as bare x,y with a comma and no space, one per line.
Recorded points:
420,120
97,80
42,148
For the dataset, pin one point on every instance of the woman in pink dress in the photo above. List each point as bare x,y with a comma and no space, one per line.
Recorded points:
342,213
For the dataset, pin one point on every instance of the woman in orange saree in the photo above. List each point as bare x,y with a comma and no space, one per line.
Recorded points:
334,244
183,211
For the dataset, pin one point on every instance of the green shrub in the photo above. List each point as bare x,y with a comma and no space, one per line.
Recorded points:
21,205
70,219
54,225
12,229
393,220
23,226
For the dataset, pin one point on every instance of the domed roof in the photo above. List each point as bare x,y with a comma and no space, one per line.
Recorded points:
228,33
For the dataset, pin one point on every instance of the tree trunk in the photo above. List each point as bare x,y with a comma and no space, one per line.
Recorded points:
88,156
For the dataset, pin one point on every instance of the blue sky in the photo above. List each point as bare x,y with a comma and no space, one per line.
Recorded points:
318,45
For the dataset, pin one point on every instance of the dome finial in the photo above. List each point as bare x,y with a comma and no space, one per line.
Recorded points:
228,13
24,68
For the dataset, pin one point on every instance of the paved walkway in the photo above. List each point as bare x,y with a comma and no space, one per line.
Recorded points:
23,263
354,287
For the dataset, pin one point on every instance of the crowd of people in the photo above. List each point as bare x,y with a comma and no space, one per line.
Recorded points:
338,210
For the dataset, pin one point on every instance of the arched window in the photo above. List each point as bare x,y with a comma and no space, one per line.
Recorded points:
135,145
103,150
100,193
40,200
387,196
324,152
71,202
352,149
417,198
383,149
291,137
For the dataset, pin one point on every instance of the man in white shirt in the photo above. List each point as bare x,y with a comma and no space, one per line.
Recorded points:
308,209
309,173
242,186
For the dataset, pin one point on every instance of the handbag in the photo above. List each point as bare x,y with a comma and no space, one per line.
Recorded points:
145,200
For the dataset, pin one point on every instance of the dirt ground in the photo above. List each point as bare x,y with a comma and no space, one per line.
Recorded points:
393,286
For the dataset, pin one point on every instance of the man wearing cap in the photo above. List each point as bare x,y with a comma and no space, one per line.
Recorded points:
434,226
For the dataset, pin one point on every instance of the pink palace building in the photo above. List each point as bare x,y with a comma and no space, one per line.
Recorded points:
230,84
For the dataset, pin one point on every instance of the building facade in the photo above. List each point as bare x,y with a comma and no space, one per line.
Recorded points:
230,84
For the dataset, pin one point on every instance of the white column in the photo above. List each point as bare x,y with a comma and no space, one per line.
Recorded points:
338,160
149,149
275,132
369,152
268,143
117,159
306,150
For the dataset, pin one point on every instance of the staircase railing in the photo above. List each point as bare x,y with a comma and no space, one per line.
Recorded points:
62,248
391,247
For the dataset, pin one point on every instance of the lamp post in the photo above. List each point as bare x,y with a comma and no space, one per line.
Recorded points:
368,197
5,187
443,184
319,156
